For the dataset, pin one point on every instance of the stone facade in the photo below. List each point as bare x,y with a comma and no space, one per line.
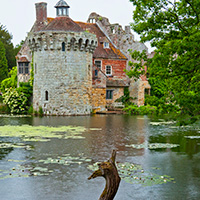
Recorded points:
62,72
67,78
124,40
137,91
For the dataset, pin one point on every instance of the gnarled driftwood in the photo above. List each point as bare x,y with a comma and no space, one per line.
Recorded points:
109,171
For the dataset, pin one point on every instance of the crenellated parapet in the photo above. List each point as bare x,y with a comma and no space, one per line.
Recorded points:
70,41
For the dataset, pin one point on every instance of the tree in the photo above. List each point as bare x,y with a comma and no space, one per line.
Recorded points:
11,81
6,39
172,26
3,63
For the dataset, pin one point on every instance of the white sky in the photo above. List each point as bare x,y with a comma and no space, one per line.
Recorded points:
19,15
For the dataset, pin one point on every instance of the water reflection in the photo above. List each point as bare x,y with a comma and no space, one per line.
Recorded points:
102,135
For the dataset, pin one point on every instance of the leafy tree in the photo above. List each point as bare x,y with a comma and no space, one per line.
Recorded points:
6,39
18,47
3,63
11,81
172,26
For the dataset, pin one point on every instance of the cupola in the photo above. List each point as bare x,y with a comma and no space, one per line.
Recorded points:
62,9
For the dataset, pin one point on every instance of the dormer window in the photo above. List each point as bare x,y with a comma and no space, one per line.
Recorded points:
106,45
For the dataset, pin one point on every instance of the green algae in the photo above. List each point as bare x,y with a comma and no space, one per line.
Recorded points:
135,174
42,133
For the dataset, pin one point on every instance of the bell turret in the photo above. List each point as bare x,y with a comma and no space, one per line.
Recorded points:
62,9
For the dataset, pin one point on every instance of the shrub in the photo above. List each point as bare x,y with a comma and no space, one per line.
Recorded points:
4,109
40,112
142,110
16,101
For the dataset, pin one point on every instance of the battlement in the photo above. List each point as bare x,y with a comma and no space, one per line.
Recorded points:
62,40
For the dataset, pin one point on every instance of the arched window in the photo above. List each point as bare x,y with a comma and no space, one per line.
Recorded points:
46,95
63,46
80,44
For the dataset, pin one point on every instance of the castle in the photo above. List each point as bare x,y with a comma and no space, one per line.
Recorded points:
78,67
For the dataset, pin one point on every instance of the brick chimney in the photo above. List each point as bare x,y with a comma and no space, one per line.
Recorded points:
41,12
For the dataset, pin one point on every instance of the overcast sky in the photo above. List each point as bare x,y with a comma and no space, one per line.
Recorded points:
19,15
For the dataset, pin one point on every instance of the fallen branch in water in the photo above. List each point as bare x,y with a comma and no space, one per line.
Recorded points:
108,170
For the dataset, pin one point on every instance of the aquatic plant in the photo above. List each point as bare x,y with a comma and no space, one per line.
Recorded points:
135,174
42,133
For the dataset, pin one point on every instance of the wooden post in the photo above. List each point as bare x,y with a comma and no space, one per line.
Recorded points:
108,170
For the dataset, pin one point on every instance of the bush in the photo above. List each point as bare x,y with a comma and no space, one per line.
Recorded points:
142,110
163,105
30,110
125,99
40,111
1,99
4,109
16,101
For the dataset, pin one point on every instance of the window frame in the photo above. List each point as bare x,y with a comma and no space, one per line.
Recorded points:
109,94
109,74
106,45
98,66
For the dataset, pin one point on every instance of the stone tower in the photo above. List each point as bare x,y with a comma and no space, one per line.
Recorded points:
62,60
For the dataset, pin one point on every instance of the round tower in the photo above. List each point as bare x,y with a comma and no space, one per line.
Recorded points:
62,60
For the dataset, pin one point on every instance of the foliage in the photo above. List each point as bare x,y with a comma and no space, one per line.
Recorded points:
4,109
16,101
162,104
26,88
40,112
142,110
32,72
173,28
11,81
18,47
138,66
3,63
125,99
6,39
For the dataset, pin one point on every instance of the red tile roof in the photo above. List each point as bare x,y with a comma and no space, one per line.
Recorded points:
100,52
62,24
23,59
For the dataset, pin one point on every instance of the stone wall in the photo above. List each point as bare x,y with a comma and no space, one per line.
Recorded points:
62,77
123,39
137,91
117,93
98,99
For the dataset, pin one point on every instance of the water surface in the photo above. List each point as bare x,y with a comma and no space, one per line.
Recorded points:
103,133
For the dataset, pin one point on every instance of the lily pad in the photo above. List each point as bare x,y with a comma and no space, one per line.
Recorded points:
65,160
42,133
161,123
135,174
153,146
16,145
193,137
24,171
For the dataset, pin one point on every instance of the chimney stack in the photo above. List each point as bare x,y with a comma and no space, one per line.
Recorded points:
41,12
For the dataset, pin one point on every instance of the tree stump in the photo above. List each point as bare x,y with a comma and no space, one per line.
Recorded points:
108,170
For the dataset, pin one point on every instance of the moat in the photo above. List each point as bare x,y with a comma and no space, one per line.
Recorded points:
49,157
